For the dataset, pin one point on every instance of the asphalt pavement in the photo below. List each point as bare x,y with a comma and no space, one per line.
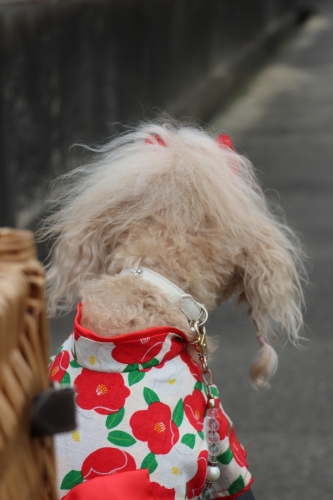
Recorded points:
283,122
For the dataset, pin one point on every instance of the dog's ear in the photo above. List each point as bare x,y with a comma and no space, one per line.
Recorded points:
271,272
79,251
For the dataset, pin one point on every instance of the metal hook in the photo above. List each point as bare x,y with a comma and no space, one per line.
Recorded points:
200,344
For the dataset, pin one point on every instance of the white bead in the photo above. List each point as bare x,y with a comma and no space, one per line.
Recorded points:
213,437
213,425
213,473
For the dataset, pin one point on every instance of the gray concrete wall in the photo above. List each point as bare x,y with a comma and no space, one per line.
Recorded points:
69,69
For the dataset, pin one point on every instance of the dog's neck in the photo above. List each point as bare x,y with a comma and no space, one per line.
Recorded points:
193,310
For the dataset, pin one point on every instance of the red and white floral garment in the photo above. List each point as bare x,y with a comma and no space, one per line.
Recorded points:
141,404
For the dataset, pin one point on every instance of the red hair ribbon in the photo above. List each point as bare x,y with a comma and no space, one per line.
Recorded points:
157,138
224,141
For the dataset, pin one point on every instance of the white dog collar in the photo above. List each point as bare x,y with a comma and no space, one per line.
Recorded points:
193,310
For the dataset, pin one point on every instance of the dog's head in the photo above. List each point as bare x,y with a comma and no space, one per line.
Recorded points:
175,200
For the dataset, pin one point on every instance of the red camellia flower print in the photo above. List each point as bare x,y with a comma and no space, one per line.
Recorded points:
59,366
156,427
138,351
176,347
197,483
195,407
105,393
192,365
237,449
106,461
162,493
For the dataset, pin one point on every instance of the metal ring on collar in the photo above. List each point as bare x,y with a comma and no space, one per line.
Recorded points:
204,312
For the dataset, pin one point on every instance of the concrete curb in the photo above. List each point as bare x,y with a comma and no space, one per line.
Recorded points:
207,95
70,69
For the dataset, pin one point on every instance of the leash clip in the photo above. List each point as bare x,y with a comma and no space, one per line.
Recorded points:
200,344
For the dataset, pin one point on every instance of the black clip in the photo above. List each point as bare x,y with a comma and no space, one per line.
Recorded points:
53,412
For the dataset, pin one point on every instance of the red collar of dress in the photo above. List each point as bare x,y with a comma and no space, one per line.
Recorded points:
81,331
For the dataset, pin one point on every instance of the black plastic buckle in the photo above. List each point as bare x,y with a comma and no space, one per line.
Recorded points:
53,412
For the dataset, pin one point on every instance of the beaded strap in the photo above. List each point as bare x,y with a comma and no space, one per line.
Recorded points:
213,471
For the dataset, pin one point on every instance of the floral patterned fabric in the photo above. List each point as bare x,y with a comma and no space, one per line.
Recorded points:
141,404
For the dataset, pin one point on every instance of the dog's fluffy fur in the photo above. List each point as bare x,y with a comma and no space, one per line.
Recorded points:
192,211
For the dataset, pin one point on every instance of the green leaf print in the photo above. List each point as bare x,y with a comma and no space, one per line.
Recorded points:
236,486
131,368
135,377
115,419
214,391
65,379
74,364
201,434
226,457
178,413
150,396
151,363
71,479
198,386
150,463
59,350
189,440
121,438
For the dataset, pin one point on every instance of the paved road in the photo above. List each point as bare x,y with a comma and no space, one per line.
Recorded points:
283,122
